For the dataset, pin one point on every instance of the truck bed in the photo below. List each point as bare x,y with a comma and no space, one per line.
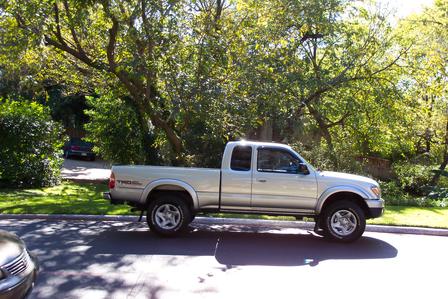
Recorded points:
132,180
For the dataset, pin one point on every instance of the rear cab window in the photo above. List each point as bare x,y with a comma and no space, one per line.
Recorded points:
241,158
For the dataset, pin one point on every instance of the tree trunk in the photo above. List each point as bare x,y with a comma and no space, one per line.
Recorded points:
146,139
173,138
143,117
428,133
324,132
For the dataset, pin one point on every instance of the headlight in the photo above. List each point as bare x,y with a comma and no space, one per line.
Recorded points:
376,190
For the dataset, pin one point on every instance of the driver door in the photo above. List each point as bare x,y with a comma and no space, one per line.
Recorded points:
278,186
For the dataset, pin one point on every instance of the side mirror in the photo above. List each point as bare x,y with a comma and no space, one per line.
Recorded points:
303,169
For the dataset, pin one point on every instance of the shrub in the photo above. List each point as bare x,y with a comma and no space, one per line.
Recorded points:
413,178
438,196
29,145
395,196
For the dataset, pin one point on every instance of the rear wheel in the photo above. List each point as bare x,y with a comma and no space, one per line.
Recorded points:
168,214
343,221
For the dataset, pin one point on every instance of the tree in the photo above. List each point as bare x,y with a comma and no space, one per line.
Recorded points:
426,79
199,73
115,130
125,40
134,43
309,65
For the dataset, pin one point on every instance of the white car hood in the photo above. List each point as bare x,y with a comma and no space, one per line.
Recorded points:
339,176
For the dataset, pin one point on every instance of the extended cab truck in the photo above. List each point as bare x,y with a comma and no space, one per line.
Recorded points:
255,178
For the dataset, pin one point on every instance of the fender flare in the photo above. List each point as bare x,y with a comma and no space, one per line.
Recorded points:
337,189
171,182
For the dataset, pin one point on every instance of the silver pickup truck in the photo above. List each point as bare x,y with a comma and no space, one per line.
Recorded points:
255,178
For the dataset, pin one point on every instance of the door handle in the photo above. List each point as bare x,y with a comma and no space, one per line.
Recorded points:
261,180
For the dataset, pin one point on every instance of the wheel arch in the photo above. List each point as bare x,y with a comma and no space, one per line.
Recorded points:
346,193
170,186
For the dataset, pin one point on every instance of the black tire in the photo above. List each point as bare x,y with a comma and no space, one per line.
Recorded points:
192,216
343,221
66,155
171,210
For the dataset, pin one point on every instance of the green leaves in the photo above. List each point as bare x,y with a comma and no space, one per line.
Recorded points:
115,131
30,145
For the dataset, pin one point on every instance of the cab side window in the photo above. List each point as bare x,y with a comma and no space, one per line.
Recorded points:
277,160
241,158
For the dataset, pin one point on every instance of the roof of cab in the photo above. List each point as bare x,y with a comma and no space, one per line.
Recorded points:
258,143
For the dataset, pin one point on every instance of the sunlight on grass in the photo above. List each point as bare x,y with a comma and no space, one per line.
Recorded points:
67,198
413,216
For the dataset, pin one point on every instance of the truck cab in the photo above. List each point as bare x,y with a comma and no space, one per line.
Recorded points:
266,177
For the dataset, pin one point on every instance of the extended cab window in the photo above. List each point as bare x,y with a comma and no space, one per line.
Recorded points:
241,158
276,160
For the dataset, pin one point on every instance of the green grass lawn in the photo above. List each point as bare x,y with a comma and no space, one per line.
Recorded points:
413,216
67,198
86,198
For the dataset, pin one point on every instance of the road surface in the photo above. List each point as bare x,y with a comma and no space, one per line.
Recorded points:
79,169
90,259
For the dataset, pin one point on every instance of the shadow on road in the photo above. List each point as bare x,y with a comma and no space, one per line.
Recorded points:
102,257
242,248
106,242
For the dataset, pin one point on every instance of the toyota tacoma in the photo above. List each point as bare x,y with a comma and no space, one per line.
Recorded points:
254,178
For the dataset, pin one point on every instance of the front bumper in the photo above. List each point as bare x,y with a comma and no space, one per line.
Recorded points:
20,290
20,287
376,207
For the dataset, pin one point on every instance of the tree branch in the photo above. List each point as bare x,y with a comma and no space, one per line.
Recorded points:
218,13
61,43
111,45
72,29
338,122
64,47
58,25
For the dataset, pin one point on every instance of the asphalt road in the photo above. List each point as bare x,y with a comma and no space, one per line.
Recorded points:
89,259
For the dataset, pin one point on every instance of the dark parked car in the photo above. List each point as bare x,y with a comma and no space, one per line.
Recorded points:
18,268
79,148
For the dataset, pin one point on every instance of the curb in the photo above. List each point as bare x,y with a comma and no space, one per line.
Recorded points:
232,221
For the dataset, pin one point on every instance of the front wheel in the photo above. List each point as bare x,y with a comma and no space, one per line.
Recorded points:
343,221
167,215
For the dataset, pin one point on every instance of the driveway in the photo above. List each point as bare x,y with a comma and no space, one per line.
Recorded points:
77,169
91,259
